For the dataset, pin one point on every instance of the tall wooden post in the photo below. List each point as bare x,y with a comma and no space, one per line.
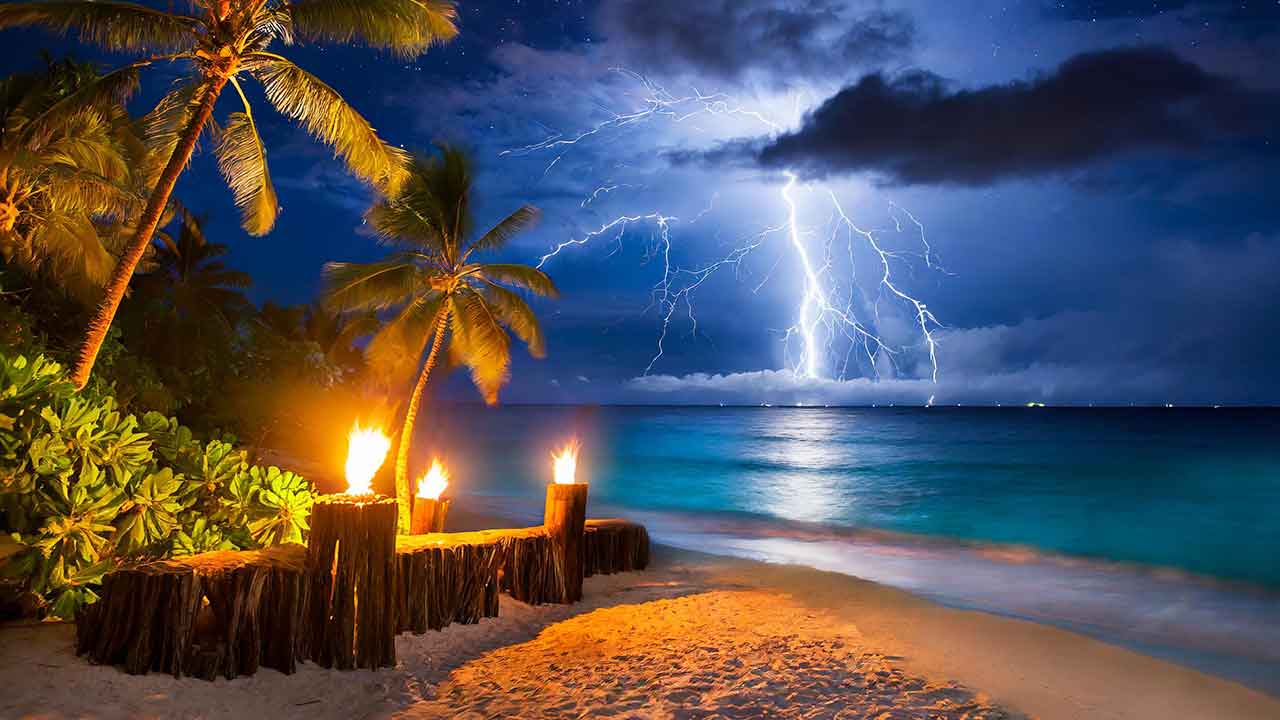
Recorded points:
351,561
565,516
428,515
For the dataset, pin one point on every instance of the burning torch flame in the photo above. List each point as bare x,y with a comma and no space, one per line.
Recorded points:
434,482
566,464
366,449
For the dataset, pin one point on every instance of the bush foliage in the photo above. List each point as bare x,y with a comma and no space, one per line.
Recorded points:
85,486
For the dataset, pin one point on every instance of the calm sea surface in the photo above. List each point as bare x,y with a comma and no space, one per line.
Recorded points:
1157,528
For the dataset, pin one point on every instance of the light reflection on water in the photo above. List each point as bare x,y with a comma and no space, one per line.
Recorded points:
800,491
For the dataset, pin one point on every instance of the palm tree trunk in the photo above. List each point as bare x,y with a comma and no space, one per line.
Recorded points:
123,273
404,494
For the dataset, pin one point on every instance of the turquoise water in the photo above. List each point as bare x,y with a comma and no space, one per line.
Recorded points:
1195,489
1158,529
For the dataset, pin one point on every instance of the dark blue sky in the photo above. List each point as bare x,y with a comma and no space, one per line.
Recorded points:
1095,182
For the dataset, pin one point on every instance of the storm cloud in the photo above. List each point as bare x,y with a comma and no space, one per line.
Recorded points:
772,41
914,129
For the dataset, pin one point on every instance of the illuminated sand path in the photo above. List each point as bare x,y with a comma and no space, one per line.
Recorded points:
691,634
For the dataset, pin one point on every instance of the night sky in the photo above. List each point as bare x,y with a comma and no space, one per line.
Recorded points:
1096,183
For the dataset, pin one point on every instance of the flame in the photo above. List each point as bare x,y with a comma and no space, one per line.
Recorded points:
434,481
366,449
566,464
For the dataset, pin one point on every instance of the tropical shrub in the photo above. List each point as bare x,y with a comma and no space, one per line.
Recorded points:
84,487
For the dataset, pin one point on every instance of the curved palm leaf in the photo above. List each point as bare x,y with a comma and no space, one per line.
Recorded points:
396,349
370,286
401,223
514,224
299,95
116,87
480,343
512,311
114,26
162,128
406,27
243,162
521,276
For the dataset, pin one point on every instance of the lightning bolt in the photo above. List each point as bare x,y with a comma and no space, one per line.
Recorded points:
828,310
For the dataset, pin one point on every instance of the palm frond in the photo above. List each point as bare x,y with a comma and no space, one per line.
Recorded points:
479,343
162,128
396,349
401,222
525,277
69,248
358,326
113,26
406,27
511,310
88,141
448,181
302,96
73,189
243,162
115,87
371,286
510,226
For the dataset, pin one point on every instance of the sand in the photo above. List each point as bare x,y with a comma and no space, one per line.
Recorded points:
694,636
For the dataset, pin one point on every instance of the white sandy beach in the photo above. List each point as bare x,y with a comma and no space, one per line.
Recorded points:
694,636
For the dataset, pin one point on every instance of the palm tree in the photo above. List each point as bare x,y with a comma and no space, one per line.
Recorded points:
67,180
190,305
333,333
434,284
223,42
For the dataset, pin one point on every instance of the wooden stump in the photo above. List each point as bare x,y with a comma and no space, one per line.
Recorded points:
255,602
220,613
428,515
144,619
564,516
351,563
614,545
446,578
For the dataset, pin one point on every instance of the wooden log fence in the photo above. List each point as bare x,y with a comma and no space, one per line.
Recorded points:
227,613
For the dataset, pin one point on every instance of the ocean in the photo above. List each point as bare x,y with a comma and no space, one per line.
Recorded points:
1155,528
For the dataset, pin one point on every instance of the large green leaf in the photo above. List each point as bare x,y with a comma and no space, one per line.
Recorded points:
149,514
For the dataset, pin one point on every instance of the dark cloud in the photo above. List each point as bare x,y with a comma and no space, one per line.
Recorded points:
915,129
774,41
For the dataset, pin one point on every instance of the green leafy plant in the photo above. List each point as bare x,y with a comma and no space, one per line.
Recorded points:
84,486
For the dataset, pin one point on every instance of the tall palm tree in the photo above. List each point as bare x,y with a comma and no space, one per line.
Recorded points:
223,41
435,284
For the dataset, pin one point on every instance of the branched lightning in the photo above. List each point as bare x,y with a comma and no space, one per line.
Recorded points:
830,305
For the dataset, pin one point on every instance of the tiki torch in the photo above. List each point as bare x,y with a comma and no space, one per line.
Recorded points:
564,517
351,554
429,508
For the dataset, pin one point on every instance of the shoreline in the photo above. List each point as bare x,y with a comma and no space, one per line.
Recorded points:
1228,629
818,638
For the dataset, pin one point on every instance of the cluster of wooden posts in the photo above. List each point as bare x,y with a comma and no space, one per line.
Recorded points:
341,600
